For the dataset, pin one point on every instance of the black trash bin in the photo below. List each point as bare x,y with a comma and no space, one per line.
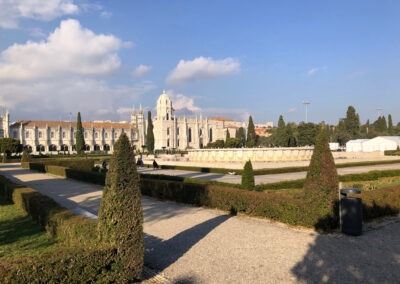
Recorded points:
350,212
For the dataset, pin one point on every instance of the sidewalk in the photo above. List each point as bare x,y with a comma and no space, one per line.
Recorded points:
198,245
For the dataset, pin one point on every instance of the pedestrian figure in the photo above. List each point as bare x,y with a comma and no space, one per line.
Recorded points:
104,165
155,165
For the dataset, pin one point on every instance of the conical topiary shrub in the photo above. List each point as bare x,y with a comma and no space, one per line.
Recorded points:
24,157
321,186
248,176
120,214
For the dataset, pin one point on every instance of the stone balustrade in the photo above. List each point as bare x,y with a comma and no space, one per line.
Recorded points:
265,154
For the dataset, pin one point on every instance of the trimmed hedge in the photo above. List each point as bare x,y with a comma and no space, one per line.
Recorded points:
82,258
269,170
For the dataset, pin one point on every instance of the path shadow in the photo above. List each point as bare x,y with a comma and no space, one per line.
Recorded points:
155,210
373,257
202,176
160,254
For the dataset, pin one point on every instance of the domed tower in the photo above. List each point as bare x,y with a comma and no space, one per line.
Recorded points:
164,107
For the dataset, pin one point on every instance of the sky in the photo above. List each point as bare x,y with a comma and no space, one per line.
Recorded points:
215,58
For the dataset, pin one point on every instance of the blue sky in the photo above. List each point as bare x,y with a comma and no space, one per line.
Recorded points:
229,58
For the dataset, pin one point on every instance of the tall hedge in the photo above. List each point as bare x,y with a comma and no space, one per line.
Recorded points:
150,134
80,140
120,214
25,157
322,185
248,176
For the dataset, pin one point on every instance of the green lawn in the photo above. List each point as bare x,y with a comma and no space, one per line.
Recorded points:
19,235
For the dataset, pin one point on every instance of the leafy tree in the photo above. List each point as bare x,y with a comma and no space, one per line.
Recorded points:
150,134
216,145
341,134
232,143
307,132
120,215
281,134
292,142
24,157
251,133
390,128
79,138
228,135
352,123
241,136
322,185
10,145
248,176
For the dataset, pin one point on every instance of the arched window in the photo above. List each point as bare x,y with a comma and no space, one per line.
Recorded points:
167,116
106,147
64,147
211,135
201,132
52,148
97,147
86,134
167,142
39,148
177,131
168,131
106,135
27,134
64,135
28,148
177,142
87,147
96,135
116,135
40,134
52,134
190,135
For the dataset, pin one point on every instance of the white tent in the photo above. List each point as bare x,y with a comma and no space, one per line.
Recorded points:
381,143
356,145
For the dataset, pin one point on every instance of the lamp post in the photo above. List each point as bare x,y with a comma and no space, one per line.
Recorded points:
306,104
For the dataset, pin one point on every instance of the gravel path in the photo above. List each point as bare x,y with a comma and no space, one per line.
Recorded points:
264,178
197,245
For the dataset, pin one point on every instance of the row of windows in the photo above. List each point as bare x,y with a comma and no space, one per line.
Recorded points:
190,134
53,148
64,134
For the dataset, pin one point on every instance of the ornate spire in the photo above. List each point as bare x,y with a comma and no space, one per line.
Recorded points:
133,111
140,109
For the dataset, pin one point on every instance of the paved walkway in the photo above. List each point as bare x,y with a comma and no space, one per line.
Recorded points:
264,178
197,245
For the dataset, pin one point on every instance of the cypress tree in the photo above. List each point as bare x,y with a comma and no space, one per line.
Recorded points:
321,187
79,138
248,176
352,123
240,135
291,142
24,157
281,135
390,122
228,135
251,133
150,134
120,215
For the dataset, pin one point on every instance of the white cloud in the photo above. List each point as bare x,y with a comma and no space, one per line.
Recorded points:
50,99
181,101
11,11
202,68
141,70
291,110
315,70
69,50
186,106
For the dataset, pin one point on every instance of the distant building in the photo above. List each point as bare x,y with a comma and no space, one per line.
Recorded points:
171,132
380,143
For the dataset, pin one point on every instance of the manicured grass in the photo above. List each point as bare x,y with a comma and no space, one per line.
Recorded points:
20,235
382,185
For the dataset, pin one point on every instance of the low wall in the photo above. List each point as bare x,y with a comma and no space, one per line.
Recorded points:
266,154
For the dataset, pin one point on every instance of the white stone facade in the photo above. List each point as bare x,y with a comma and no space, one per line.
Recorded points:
171,132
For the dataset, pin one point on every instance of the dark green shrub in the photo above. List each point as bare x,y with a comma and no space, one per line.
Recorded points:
248,176
4,159
79,138
321,187
120,214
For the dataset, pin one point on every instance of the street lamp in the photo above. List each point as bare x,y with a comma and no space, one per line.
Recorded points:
306,104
